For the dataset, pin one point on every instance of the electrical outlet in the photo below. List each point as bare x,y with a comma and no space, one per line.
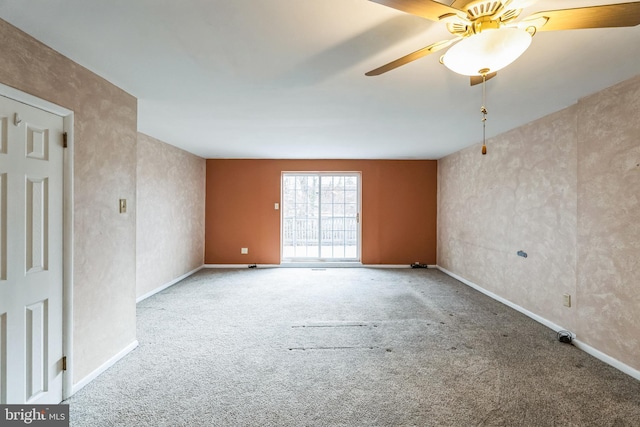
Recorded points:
567,300
244,251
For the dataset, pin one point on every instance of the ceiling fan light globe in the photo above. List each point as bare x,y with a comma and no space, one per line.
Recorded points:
489,50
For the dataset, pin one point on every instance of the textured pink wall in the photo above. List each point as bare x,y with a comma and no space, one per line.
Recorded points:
104,171
170,213
565,190
609,221
520,196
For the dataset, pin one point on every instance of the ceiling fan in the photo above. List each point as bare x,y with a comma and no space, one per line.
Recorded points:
489,36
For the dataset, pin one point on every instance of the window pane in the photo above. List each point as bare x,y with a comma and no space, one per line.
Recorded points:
327,198
351,183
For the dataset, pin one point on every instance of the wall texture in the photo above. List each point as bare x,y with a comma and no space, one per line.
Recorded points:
104,171
398,209
565,190
170,213
608,237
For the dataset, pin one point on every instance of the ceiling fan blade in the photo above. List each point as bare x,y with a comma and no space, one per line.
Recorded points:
520,4
412,57
604,16
426,8
459,4
476,80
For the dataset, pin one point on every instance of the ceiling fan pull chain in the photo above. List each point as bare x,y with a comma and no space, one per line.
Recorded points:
483,110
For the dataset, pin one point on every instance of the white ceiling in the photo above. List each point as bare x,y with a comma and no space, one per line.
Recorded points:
285,78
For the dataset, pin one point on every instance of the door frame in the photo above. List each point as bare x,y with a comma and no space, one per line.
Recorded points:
67,223
313,262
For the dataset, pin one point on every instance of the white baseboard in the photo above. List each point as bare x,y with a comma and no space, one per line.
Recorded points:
106,365
295,264
395,266
226,266
551,325
607,359
166,285
387,266
319,264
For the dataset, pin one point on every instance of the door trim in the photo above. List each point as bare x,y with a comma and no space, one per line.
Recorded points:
67,223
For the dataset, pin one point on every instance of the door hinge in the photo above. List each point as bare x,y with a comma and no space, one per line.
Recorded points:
64,363
64,140
358,218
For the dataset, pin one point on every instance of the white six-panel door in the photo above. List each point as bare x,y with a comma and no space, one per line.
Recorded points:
31,170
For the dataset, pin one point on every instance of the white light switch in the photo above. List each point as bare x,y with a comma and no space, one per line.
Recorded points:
276,206
244,251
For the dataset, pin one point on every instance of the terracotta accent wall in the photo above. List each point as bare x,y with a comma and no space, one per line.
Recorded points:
104,171
564,189
170,213
398,209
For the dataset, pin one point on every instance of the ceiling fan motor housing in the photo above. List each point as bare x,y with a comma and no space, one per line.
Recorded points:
481,8
483,15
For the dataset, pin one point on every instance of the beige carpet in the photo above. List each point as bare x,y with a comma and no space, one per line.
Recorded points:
348,347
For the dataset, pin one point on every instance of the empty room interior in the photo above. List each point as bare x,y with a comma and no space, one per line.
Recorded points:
339,212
